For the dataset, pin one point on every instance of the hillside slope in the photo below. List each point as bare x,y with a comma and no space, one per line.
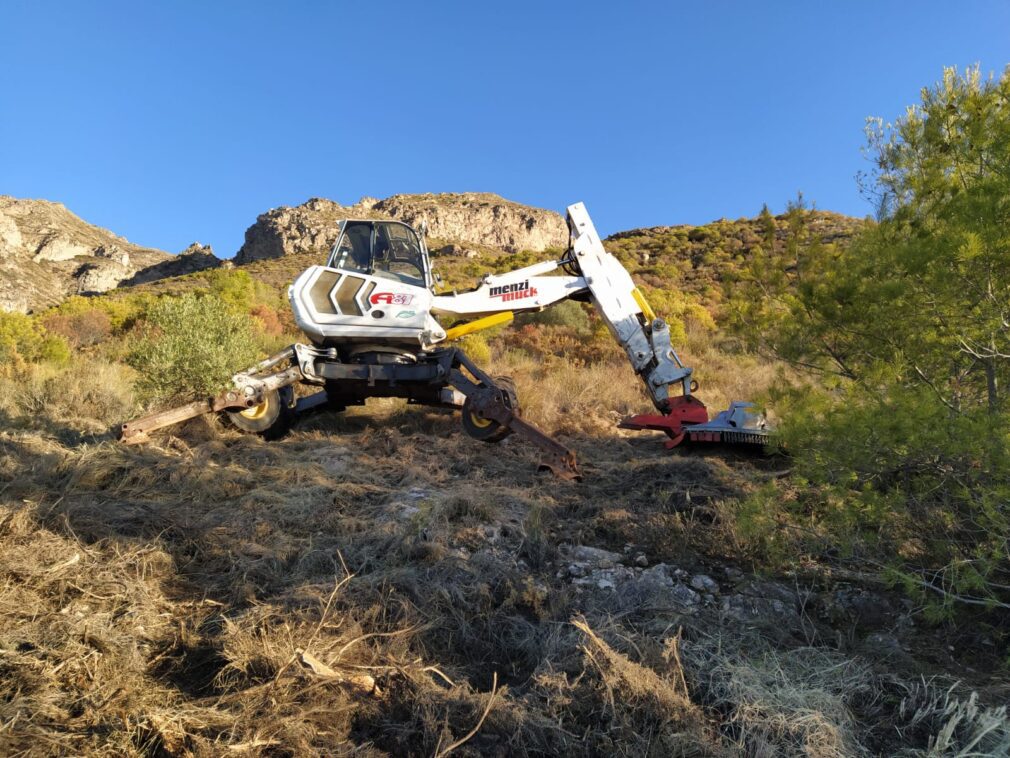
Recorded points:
698,261
701,260
376,581
48,253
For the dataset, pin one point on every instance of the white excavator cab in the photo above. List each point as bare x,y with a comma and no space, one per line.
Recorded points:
376,286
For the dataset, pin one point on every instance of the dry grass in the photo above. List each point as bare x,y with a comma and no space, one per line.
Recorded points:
951,724
87,397
571,398
784,702
80,627
636,693
376,584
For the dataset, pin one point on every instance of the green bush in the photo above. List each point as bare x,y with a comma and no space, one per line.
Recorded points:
895,481
904,460
566,313
677,308
239,290
24,340
192,344
123,311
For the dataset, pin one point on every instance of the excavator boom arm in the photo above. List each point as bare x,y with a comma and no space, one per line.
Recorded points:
645,338
594,272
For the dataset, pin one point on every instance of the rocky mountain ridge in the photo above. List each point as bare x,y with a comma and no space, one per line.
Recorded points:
477,218
48,253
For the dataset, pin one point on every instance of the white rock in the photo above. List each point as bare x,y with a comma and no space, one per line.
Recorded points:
658,575
59,248
704,583
593,556
684,595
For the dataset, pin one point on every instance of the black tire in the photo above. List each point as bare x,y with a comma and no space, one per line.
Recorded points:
485,429
334,400
271,419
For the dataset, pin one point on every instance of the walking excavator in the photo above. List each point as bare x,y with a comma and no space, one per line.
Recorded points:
371,315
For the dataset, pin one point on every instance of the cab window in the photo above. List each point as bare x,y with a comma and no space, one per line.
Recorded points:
397,254
353,250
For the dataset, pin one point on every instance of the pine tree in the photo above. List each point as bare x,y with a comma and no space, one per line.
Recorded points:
909,329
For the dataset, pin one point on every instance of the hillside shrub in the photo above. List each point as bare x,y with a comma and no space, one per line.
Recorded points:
24,340
123,311
269,320
567,313
893,480
680,311
192,344
82,329
551,343
239,290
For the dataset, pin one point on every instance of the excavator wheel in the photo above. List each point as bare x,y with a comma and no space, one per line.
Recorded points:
272,418
485,429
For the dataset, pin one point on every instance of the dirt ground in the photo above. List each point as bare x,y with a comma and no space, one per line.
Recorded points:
378,584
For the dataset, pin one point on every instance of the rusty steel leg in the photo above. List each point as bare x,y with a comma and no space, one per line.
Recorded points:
488,400
556,457
137,431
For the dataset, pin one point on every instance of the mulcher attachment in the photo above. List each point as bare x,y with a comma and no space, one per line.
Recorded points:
688,421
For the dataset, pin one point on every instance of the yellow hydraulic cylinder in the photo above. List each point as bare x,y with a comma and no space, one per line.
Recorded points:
643,304
475,326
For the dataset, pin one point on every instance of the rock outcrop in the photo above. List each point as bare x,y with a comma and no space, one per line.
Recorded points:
475,218
194,258
48,253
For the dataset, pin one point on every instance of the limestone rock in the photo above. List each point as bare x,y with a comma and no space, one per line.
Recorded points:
685,596
100,275
658,575
704,583
592,556
469,218
59,247
766,604
455,250
194,258
47,253
480,218
10,236
860,608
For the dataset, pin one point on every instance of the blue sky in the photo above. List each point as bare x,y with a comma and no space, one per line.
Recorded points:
179,121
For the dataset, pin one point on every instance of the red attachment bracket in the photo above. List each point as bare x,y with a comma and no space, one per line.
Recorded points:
685,409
